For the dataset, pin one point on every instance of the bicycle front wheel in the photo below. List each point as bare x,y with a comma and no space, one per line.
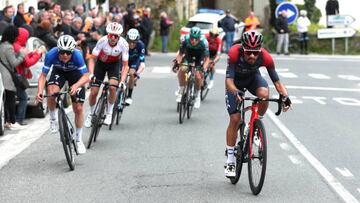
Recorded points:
190,92
239,155
66,140
204,88
96,121
121,107
182,107
257,159
115,112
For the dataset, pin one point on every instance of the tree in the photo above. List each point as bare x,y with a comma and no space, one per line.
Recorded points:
272,12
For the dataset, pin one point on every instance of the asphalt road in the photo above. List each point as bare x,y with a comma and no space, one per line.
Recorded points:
312,150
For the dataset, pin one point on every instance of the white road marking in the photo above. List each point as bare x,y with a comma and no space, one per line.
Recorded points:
158,69
288,75
317,99
319,76
358,190
320,88
328,177
318,59
349,77
275,135
220,71
285,146
294,159
281,70
285,58
347,101
345,172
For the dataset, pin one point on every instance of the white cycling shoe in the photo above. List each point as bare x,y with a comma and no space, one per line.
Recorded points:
230,170
87,123
197,103
80,147
211,84
108,119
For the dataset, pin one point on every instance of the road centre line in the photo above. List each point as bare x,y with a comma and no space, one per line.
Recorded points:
345,172
328,177
294,159
320,88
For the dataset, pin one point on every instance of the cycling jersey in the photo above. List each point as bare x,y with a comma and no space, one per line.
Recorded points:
214,43
109,54
76,62
199,51
137,55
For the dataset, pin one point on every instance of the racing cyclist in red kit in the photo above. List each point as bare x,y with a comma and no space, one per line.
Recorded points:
242,73
215,44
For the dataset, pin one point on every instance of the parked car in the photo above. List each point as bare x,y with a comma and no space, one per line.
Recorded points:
2,110
206,19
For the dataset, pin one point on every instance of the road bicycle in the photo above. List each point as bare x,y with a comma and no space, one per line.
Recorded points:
66,129
204,88
99,115
119,105
186,104
252,147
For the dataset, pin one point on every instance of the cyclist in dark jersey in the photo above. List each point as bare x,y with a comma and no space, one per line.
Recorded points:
243,74
66,64
194,48
215,44
136,60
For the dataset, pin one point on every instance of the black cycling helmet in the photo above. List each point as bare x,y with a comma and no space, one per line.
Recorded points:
252,39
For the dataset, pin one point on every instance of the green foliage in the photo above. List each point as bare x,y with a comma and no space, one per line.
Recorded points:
272,12
314,15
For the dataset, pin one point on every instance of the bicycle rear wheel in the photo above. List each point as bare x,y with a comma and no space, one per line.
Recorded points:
239,155
182,107
96,121
257,160
204,88
66,139
190,97
121,107
115,112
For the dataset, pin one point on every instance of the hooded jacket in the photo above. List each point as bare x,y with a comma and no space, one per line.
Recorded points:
30,59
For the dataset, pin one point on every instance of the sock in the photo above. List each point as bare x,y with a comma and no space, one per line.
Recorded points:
181,89
53,114
230,154
198,94
110,108
212,76
79,134
130,92
92,109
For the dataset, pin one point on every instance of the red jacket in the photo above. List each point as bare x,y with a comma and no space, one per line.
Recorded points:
30,59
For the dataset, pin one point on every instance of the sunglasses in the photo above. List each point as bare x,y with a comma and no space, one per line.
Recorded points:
253,52
132,41
194,39
63,52
113,36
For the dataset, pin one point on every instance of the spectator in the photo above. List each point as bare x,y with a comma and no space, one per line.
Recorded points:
251,22
281,26
129,21
146,29
228,25
303,23
19,19
332,8
28,17
23,68
98,26
77,24
64,28
165,23
8,61
8,13
43,32
118,18
79,12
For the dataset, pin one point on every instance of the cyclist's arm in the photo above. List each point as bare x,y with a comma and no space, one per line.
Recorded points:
206,53
206,62
280,88
219,42
141,68
229,81
91,64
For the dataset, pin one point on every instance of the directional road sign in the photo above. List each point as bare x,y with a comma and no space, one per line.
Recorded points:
290,8
340,20
335,33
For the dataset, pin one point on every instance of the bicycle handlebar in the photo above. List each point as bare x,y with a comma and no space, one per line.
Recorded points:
106,83
257,100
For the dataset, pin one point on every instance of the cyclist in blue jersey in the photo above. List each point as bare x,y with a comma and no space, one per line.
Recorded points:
193,46
66,64
136,60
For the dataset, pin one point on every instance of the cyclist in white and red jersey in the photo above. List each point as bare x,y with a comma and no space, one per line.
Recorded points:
215,44
111,52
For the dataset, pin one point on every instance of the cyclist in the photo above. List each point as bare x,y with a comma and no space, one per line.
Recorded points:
109,51
242,74
67,65
192,46
136,60
215,44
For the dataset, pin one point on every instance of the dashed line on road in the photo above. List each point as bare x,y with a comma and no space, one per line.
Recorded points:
288,75
345,172
320,88
157,69
349,77
221,71
275,135
294,159
319,76
328,177
285,146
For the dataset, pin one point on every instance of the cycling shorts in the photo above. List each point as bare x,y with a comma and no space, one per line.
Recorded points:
101,68
59,77
212,54
251,83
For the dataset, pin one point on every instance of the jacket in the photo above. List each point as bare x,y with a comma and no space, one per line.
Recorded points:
11,60
30,59
281,23
228,24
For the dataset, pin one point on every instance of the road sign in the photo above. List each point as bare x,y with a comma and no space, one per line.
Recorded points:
290,8
335,33
340,20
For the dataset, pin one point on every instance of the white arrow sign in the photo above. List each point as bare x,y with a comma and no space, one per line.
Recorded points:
290,13
342,20
335,33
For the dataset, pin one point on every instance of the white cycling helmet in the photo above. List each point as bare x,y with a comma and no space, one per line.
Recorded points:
133,35
114,28
66,43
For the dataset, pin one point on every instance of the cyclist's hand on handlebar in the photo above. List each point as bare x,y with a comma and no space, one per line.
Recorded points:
286,103
39,97
92,78
239,96
74,89
176,66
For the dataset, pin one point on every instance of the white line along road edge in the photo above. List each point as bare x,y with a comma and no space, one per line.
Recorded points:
328,177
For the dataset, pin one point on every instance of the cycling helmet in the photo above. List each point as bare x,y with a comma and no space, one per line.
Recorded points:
214,32
195,32
132,35
252,39
66,43
114,28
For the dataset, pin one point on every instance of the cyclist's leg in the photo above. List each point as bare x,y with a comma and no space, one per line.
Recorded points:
131,83
99,73
260,88
113,73
181,79
55,83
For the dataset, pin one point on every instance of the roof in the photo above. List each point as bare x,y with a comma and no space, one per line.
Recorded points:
206,17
